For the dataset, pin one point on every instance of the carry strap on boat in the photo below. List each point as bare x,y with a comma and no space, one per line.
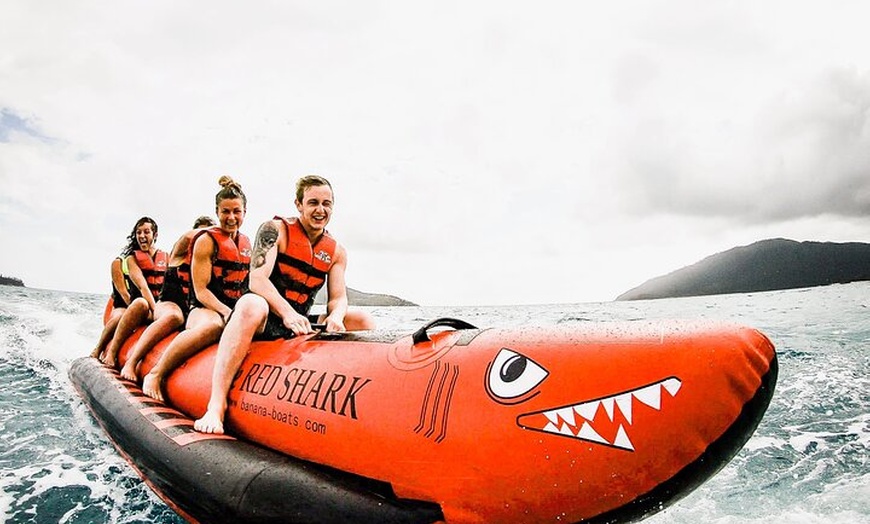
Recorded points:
422,334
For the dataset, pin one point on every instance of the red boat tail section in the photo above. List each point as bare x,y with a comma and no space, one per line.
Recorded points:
598,422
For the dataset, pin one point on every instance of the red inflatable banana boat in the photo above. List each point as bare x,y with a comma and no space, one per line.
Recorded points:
592,422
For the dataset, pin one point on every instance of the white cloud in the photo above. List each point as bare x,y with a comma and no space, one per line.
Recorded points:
486,153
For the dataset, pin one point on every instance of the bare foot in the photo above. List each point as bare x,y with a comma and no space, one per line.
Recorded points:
151,386
109,361
211,422
128,372
96,353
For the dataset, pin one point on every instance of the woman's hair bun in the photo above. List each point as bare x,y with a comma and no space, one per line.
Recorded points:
227,181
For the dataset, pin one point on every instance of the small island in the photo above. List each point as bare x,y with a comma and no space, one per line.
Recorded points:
11,281
767,265
360,298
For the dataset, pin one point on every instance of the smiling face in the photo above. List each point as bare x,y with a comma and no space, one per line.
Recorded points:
315,209
231,214
145,236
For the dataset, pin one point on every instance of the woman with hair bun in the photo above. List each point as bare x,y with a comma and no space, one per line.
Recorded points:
220,261
174,304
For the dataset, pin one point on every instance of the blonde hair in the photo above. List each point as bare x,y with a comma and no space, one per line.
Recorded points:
310,181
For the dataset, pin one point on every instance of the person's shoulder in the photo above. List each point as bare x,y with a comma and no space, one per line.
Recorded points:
190,233
340,252
205,240
331,237
271,227
131,260
272,222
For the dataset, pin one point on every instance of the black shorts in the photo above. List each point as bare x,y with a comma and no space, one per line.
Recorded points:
276,329
172,292
117,299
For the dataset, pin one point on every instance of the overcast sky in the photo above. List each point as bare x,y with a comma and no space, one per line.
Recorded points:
493,152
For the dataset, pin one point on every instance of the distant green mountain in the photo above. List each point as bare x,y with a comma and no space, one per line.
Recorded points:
11,281
763,266
359,298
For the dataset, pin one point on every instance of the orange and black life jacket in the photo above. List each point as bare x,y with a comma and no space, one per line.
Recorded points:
153,269
229,267
300,271
183,270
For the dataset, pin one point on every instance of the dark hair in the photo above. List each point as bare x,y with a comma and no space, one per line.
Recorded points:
203,221
230,189
132,244
310,181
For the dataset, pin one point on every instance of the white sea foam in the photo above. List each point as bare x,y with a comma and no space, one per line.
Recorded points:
807,463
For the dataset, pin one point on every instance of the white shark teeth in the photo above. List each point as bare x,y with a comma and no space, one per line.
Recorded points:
672,385
564,421
607,404
587,433
623,402
586,410
650,395
621,440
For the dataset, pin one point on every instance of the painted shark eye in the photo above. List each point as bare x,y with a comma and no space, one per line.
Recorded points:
512,375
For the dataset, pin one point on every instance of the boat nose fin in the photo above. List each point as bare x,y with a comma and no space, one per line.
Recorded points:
422,334
418,350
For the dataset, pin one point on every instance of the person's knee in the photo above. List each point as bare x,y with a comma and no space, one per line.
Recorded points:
250,309
177,319
203,328
139,306
115,315
215,323
174,316
168,317
359,321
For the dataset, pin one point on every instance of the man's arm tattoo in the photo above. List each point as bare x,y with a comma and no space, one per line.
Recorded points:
267,235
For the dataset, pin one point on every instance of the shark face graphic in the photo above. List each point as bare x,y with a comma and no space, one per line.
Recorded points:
581,420
514,378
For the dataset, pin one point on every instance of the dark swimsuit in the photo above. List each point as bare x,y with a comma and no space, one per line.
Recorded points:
275,328
173,292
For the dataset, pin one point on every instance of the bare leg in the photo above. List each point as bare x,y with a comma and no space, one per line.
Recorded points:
167,319
203,329
357,320
108,331
135,316
249,318
354,320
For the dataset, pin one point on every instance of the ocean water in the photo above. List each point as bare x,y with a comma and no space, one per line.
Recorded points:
806,463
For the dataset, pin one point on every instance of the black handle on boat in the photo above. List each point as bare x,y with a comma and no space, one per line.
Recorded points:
421,334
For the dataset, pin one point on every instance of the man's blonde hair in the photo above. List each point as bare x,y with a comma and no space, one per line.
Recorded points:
310,181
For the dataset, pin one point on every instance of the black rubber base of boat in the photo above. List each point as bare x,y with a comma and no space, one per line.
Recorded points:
220,479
